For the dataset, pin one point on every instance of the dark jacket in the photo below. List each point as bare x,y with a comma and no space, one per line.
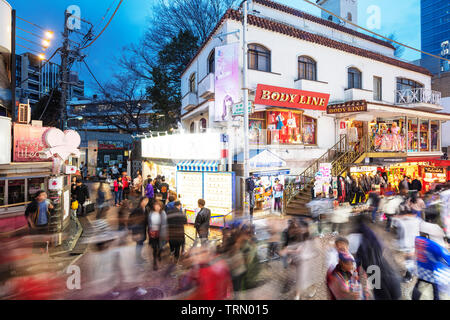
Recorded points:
202,222
175,224
137,223
416,185
82,193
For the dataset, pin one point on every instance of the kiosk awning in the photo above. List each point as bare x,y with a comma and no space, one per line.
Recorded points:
198,165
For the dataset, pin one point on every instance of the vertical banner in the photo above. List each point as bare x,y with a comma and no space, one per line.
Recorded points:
226,80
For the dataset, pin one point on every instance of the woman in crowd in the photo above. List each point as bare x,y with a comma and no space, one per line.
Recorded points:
137,223
118,191
157,229
416,204
137,183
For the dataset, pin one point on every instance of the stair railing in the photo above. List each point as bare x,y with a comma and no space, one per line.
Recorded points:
295,184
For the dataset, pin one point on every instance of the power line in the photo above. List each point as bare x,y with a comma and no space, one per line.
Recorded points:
106,13
93,76
32,23
379,35
104,28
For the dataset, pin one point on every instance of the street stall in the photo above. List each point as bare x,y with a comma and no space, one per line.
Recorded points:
201,180
264,167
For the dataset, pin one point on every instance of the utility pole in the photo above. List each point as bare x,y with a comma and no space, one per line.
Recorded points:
13,65
64,72
245,89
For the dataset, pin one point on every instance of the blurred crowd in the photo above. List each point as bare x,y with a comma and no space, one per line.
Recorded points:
142,250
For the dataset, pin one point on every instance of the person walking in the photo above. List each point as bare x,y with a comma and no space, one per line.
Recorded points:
157,230
149,190
101,201
416,205
37,213
278,195
114,172
137,183
118,190
404,183
202,219
82,193
126,181
137,223
164,189
374,203
175,226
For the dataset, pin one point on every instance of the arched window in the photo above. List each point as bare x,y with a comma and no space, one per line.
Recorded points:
307,68
354,78
408,90
192,127
330,17
202,125
258,58
192,83
211,61
349,16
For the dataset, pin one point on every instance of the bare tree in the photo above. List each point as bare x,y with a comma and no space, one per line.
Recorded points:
167,20
124,104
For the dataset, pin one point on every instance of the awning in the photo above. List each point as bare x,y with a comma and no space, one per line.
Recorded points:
198,165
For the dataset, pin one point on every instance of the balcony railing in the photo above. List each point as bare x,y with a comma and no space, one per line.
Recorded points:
420,95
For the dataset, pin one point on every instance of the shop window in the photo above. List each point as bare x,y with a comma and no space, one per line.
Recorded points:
192,127
16,191
34,185
258,58
424,135
211,61
354,78
307,68
203,125
309,130
377,92
2,193
192,83
284,127
413,133
435,135
257,128
388,135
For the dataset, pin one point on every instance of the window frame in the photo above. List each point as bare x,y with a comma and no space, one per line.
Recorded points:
380,96
192,127
308,63
201,122
192,84
211,58
256,54
351,72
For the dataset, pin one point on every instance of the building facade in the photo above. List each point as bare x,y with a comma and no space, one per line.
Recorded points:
435,30
382,108
5,58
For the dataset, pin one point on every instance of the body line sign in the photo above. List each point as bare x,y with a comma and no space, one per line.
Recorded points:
291,98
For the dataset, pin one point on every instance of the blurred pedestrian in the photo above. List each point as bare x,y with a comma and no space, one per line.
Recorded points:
157,230
37,213
202,221
343,282
416,205
137,183
123,214
102,201
176,220
278,195
374,203
137,223
149,191
82,193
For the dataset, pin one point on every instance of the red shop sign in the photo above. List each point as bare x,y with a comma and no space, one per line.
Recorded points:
28,143
291,98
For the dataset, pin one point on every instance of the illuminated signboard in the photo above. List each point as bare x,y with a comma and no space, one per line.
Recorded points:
290,98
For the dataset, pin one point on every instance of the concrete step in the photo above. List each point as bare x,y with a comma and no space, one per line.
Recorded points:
295,212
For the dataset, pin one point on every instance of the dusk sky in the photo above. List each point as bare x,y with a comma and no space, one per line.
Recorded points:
401,17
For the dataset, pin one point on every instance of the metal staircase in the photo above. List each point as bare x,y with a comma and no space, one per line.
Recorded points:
341,155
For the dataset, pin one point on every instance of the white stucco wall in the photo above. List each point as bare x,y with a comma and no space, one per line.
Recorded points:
5,26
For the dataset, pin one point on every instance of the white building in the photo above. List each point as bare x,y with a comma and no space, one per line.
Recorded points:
292,49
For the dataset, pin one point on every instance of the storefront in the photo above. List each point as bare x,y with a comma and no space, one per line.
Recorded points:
202,180
390,129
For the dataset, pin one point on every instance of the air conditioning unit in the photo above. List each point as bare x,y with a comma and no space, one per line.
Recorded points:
24,113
